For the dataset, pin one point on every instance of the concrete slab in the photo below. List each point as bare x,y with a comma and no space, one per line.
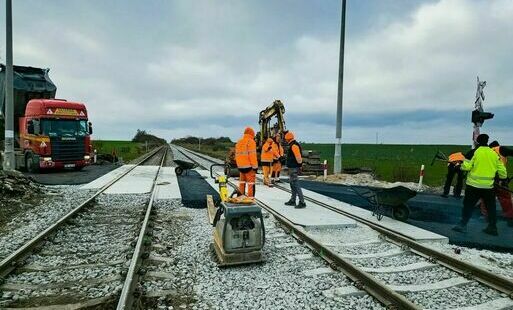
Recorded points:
106,178
416,233
394,269
167,184
137,181
317,271
430,286
313,216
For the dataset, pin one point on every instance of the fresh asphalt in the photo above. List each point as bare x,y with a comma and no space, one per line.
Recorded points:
70,176
433,213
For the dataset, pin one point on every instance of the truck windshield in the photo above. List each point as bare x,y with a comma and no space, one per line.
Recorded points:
64,127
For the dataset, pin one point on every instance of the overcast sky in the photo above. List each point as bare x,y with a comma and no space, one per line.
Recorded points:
178,68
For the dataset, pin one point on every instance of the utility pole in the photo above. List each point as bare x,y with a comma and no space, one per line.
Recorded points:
337,163
9,163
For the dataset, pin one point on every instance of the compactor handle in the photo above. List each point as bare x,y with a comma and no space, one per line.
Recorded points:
225,166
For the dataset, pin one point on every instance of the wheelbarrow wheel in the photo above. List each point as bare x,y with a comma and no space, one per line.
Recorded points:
378,211
178,170
401,213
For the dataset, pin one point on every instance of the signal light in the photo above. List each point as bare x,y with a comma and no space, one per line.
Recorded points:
479,117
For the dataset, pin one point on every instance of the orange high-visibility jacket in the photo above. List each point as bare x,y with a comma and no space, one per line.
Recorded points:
456,157
267,151
245,152
278,151
504,159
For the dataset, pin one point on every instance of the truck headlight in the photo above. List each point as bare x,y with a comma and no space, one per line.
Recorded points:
47,159
87,157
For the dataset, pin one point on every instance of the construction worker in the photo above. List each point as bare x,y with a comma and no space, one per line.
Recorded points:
246,159
294,163
453,167
502,192
277,158
482,169
266,158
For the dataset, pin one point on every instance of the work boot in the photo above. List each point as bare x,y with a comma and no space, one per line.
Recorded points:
290,203
460,228
491,230
301,205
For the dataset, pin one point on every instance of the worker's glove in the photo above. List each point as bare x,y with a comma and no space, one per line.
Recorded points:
503,182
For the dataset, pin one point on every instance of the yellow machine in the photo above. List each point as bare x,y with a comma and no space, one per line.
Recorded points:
239,232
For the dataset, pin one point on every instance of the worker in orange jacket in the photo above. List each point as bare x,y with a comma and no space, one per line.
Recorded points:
278,154
246,159
266,158
453,168
501,191
294,164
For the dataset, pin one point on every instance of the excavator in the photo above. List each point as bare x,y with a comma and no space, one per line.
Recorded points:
267,129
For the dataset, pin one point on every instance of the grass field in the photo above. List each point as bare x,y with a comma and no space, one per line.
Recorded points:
393,162
127,150
217,151
390,162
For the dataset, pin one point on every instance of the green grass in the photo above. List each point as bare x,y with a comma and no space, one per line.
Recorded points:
127,150
219,150
393,162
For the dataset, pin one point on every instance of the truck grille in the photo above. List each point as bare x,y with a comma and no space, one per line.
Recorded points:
68,150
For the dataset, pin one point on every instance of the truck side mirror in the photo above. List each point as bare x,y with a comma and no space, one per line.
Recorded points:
90,127
30,127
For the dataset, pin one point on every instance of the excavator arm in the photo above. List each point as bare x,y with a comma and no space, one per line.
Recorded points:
276,109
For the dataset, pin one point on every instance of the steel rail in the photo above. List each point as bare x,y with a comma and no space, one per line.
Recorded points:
8,264
126,300
362,279
469,271
498,282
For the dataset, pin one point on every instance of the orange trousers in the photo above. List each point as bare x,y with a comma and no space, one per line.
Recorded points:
504,198
276,170
247,178
267,169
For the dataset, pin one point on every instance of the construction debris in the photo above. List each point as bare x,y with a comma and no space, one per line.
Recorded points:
13,184
368,179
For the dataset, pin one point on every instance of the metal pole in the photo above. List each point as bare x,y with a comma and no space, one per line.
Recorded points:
337,164
9,163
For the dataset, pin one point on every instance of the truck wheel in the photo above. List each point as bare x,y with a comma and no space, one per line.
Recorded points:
30,163
401,213
79,168
178,171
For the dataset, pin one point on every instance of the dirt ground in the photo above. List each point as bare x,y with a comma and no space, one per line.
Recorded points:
367,179
71,177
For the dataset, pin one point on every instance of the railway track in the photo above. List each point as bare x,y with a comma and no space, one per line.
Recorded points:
90,257
396,270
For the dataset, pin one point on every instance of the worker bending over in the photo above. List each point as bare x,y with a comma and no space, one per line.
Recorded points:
482,169
246,159
278,154
502,191
453,168
266,157
294,163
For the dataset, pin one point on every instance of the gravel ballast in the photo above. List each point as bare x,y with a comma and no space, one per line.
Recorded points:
85,259
184,235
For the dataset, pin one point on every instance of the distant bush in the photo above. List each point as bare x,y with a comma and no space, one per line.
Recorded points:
142,137
204,141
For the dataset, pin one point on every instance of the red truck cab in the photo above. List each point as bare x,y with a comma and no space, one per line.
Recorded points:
53,134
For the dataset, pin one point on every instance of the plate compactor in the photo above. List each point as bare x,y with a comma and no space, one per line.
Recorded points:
239,232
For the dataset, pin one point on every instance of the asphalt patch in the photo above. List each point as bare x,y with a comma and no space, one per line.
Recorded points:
194,189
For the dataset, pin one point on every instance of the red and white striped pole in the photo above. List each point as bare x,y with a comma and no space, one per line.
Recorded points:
421,177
